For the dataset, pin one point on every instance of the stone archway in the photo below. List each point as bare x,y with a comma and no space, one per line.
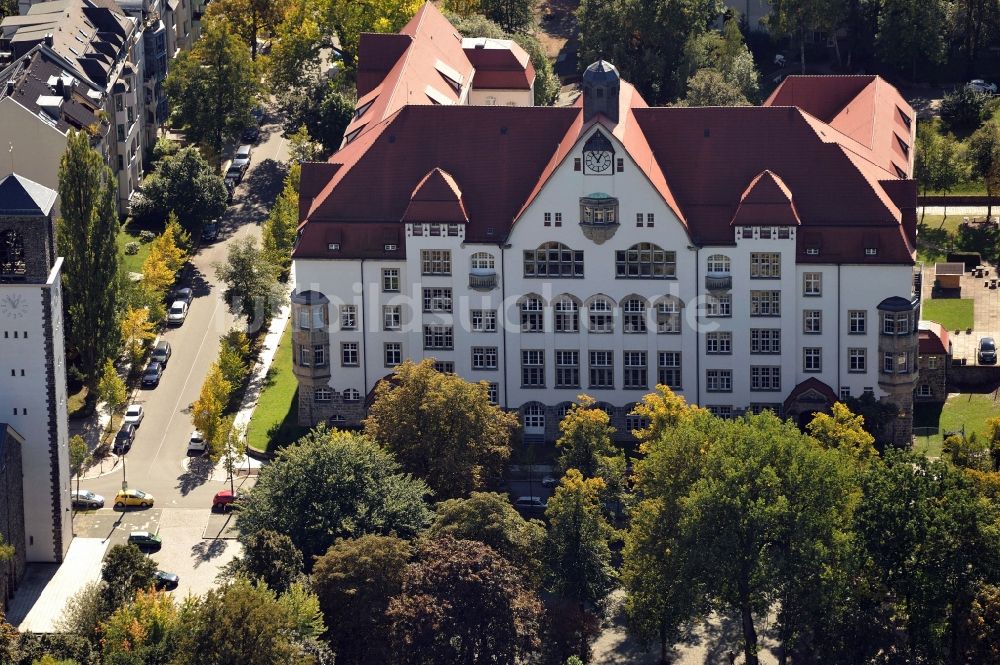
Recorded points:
806,399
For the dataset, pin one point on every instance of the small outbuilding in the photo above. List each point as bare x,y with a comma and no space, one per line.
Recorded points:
949,275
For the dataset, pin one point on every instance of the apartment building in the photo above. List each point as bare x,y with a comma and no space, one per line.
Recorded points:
749,258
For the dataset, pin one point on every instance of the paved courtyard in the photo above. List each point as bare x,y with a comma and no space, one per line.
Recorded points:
986,302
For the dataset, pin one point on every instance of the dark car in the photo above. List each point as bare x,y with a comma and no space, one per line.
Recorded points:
210,232
124,439
257,114
151,377
185,294
145,540
161,353
227,500
987,351
250,134
164,580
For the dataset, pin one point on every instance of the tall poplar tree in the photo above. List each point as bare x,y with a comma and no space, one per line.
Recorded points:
86,235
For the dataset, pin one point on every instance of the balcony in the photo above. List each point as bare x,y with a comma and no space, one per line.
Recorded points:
482,280
718,282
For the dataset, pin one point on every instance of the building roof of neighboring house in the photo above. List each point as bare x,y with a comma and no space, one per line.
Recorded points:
713,167
92,34
20,197
499,64
44,84
933,339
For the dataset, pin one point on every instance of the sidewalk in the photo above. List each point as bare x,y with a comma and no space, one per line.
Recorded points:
958,211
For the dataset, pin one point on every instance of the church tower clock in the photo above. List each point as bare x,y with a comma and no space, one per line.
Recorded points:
32,362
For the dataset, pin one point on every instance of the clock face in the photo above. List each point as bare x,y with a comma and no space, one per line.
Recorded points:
13,306
598,161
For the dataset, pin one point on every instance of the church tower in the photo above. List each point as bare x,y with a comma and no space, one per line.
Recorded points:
601,85
32,362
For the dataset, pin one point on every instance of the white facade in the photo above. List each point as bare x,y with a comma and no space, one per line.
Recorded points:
746,359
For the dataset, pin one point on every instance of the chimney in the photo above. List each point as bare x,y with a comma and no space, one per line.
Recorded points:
10,87
48,40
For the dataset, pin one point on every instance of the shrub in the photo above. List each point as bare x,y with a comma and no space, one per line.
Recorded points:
132,248
964,109
146,236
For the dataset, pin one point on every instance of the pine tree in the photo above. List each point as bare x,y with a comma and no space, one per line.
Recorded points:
87,234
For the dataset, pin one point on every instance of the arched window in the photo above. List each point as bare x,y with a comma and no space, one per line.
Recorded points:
534,419
553,259
563,410
718,263
532,314
483,261
600,315
645,261
567,314
12,265
668,315
634,315
352,395
337,419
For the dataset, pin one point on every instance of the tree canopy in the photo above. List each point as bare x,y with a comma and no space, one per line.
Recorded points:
185,184
252,287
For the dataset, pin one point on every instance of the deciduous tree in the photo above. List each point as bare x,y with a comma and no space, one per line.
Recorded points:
87,238
269,557
984,153
213,87
206,412
186,185
330,485
141,631
708,87
912,33
111,389
250,19
510,15
355,580
585,444
252,287
282,223
461,602
137,331
79,458
940,163
124,571
798,19
843,430
441,428
489,518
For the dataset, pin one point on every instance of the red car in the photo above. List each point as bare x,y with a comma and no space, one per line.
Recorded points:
226,500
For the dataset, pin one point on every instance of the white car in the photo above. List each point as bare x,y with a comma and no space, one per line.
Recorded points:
979,85
177,313
197,443
134,415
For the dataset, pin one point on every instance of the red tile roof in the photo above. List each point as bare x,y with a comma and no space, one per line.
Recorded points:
933,339
436,199
766,201
499,64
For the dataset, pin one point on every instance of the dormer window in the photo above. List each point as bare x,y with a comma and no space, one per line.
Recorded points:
903,146
871,251
812,251
361,109
333,246
389,247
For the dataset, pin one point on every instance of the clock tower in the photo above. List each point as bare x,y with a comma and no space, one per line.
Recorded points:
32,362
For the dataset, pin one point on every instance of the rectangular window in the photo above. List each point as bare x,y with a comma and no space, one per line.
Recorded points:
717,343
812,321
896,324
566,316
765,378
765,340
719,306
932,362
390,280
857,361
533,368
765,303
437,300
444,366
857,322
765,265
784,233
649,219
121,133
435,261
493,390
924,390
305,357
349,354
392,318
576,163
764,233
635,370
721,410
558,219
601,317
602,369
895,363
319,355
532,315
567,369
719,380
484,357
812,359
620,164
348,317
668,317
638,219
547,217
393,353
483,320
812,284
634,316
669,369
438,337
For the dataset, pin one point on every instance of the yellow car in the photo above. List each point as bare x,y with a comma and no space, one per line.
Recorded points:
133,498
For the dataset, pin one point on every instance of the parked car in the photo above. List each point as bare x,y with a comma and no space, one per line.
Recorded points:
151,377
85,499
177,313
210,232
531,504
250,134
197,443
145,540
133,497
257,113
226,500
987,351
164,580
124,439
550,481
185,295
134,415
161,353
979,85
240,163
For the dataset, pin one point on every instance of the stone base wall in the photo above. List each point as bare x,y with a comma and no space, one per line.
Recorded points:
936,378
313,412
11,519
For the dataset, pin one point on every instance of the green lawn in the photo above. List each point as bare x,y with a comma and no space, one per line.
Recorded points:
134,262
274,420
952,313
969,409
